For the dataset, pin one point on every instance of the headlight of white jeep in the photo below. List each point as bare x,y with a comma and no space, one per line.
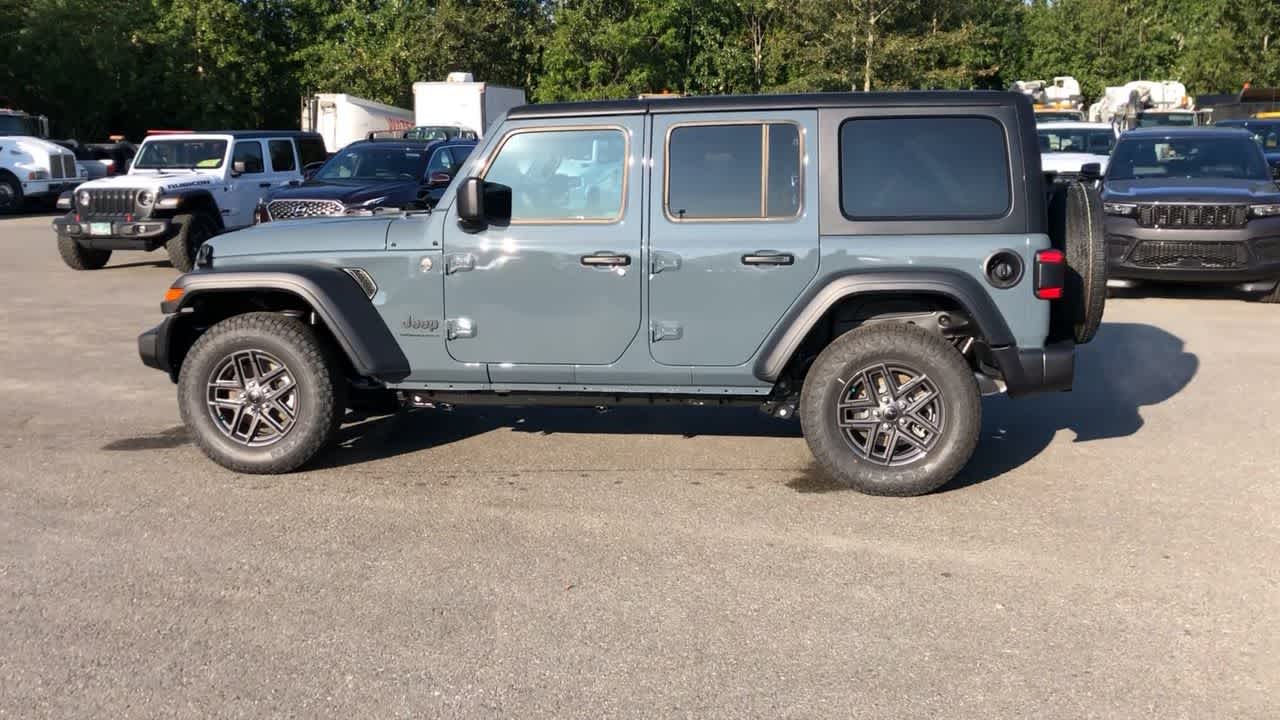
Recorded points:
1113,208
146,197
1264,210
83,198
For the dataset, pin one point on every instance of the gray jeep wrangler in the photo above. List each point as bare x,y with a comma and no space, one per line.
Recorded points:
869,263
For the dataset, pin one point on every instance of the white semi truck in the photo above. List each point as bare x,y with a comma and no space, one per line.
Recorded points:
31,167
462,103
341,119
1144,103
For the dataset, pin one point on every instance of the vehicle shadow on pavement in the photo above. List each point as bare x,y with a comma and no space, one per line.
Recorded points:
377,438
1127,367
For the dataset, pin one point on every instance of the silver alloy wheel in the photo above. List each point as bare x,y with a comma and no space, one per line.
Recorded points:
890,414
252,398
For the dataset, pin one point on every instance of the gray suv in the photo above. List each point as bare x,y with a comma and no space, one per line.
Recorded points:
869,263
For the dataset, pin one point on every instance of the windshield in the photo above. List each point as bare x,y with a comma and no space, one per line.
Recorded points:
1166,120
1204,157
174,154
1077,140
439,132
1056,116
369,162
19,125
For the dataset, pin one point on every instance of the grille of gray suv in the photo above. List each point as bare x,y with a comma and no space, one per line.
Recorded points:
1192,216
1157,253
113,201
286,209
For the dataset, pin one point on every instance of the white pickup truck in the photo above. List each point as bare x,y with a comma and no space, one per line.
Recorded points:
181,190
32,168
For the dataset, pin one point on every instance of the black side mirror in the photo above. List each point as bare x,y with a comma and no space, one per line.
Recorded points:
237,168
1091,171
480,203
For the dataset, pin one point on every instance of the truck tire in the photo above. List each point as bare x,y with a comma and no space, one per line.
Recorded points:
1075,227
79,257
1273,296
891,409
261,393
10,194
195,230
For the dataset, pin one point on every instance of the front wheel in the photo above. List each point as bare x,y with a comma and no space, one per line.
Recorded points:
260,393
79,257
1273,296
891,409
10,194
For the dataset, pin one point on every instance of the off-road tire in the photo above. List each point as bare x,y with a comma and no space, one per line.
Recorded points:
79,257
316,374
195,230
1076,228
891,343
14,195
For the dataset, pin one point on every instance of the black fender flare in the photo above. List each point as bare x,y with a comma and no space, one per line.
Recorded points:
335,297
959,287
189,197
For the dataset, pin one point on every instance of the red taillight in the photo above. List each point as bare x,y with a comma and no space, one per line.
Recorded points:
1051,273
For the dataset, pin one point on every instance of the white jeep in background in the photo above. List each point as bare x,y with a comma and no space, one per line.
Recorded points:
181,190
32,168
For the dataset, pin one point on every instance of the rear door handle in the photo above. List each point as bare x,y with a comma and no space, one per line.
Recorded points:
606,259
768,257
264,185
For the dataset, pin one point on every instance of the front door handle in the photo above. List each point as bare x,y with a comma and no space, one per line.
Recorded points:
768,257
606,259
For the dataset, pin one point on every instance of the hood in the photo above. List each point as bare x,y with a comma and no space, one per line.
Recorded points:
32,146
317,235
1071,162
353,193
157,181
1212,190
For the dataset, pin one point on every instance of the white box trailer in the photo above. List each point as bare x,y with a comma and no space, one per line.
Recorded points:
342,119
462,102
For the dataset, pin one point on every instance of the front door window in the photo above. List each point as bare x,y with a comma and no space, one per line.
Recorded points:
563,176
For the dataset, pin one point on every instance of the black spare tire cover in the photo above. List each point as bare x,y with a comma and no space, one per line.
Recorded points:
1075,227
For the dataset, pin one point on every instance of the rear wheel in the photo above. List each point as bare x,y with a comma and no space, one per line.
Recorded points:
260,393
79,257
10,194
1273,296
195,230
891,409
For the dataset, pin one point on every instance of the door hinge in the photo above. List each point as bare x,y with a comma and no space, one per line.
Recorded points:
460,328
666,330
459,262
664,261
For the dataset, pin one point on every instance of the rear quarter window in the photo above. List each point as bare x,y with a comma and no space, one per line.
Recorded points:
924,168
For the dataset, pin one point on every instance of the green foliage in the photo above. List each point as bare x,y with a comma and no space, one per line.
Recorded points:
100,66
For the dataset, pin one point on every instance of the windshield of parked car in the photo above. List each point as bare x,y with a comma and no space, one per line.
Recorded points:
1166,120
370,162
1054,116
1077,140
178,154
1188,157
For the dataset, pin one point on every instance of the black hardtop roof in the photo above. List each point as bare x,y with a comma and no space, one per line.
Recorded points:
1173,131
721,103
1241,122
243,133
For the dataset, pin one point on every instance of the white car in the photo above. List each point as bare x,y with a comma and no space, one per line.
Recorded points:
181,190
1065,147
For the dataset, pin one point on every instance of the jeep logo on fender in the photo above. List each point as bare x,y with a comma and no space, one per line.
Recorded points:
421,327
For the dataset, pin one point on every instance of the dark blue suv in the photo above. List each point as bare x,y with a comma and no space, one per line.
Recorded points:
1266,131
1194,205
371,174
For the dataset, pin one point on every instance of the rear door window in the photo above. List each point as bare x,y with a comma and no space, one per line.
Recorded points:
924,168
282,155
743,171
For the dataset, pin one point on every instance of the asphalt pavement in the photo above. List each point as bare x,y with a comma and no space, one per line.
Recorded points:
1113,552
